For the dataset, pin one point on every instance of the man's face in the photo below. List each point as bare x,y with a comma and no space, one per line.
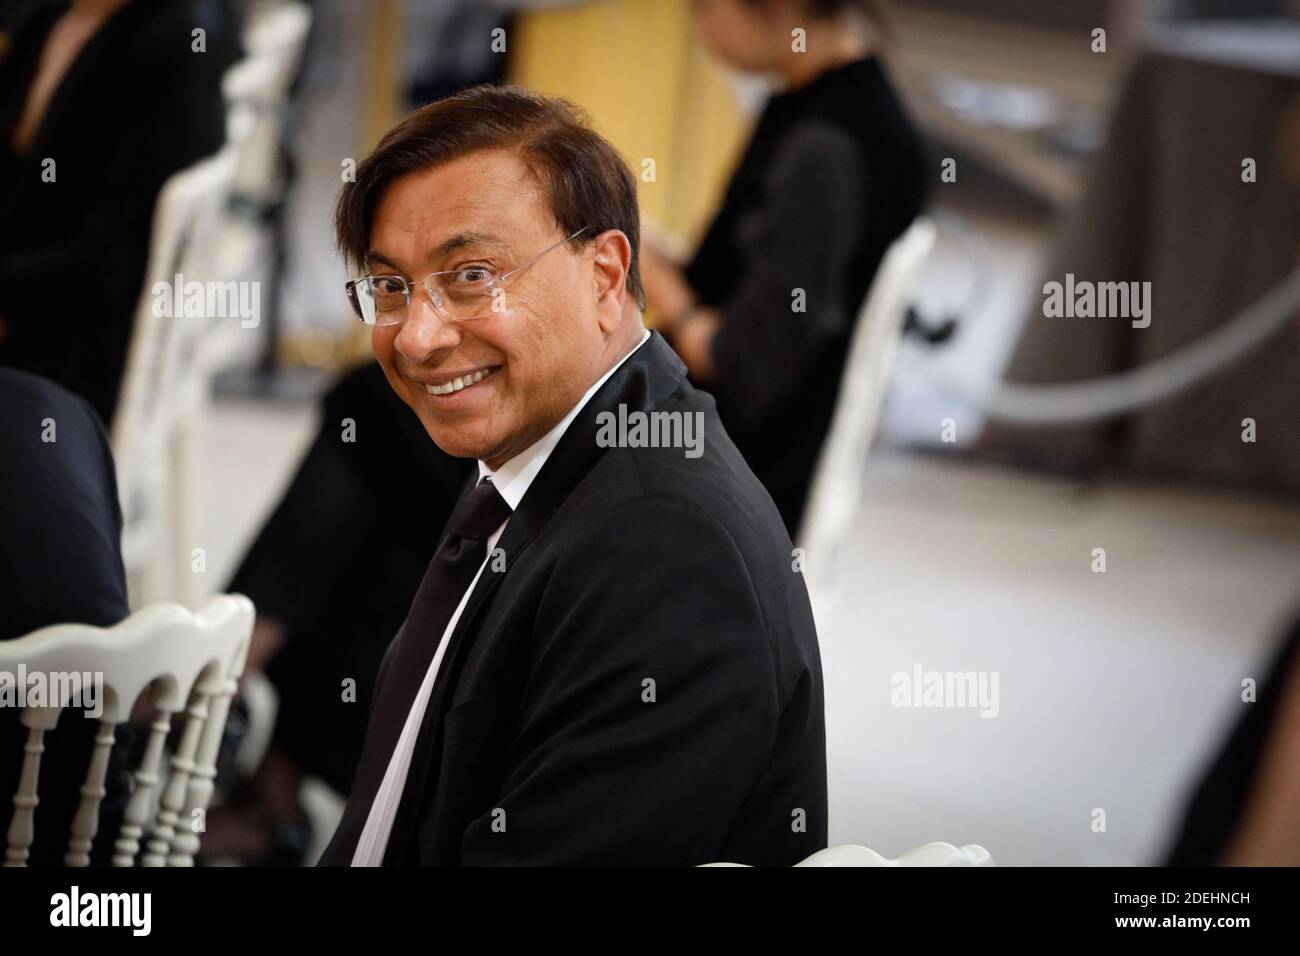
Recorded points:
541,352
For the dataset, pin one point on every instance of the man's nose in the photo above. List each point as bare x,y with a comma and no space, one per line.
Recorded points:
424,331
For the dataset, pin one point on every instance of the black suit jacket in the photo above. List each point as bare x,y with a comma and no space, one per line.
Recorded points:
60,562
641,684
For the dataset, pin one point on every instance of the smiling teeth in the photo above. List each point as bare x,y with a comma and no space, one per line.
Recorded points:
456,384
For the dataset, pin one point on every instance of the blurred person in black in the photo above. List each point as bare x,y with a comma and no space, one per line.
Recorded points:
832,175
1245,809
60,563
101,101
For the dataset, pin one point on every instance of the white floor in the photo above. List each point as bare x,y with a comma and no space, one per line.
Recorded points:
1112,687
252,452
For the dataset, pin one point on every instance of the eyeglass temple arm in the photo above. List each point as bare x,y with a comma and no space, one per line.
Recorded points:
554,245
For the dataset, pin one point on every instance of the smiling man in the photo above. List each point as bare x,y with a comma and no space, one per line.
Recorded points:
611,659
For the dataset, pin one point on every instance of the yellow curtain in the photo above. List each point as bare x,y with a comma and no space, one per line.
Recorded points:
383,110
649,88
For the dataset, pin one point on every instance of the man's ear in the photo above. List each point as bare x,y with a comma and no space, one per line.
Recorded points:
611,261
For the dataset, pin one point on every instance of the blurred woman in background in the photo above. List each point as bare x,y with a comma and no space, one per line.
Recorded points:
101,102
833,173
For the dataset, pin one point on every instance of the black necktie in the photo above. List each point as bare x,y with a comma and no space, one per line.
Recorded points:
450,574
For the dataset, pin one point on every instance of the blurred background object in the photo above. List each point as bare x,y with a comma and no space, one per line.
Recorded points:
1206,260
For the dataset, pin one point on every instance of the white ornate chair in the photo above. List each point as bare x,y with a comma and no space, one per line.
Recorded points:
833,498
156,427
256,91
157,430
930,854
187,660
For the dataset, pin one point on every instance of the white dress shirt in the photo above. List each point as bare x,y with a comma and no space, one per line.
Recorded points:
512,480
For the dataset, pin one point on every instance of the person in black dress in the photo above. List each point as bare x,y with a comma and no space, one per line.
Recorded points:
834,172
101,101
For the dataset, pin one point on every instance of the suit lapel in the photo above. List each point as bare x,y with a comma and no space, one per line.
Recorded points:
647,379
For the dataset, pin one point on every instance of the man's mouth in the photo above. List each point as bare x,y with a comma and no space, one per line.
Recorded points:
460,382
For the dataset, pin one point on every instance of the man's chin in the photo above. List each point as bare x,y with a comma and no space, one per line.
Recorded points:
457,442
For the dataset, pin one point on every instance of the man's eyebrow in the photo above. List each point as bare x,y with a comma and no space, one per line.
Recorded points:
458,241
374,256
462,239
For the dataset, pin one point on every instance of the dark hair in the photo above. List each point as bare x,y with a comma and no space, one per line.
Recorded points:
588,183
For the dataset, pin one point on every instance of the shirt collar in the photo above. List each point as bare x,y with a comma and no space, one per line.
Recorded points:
513,478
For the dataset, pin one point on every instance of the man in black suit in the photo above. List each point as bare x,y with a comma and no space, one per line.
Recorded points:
60,563
612,659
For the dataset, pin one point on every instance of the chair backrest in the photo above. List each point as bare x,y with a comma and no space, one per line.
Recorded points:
161,378
257,95
929,854
833,498
188,661
188,210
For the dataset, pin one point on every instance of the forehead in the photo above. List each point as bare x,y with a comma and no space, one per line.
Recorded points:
490,192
